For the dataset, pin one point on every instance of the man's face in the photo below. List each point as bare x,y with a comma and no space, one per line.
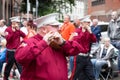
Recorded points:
95,23
107,43
66,19
45,29
51,28
85,24
15,24
114,15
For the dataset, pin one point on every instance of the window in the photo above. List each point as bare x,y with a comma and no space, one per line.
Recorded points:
97,2
104,28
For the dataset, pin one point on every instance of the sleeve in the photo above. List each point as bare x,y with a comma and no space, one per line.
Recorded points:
28,52
108,30
98,53
93,38
97,31
72,48
22,34
9,35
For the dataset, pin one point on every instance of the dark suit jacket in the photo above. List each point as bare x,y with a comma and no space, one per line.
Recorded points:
97,32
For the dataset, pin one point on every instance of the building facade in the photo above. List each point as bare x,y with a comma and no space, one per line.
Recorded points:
101,9
9,8
78,10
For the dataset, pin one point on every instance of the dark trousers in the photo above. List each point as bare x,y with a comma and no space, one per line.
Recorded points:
10,62
84,69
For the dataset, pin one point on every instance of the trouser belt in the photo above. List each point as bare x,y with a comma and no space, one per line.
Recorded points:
83,54
11,50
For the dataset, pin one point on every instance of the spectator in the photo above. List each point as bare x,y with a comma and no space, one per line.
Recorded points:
2,53
97,32
114,33
96,29
67,28
103,55
31,28
43,56
12,35
2,28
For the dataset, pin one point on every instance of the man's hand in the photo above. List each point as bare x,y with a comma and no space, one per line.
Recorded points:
15,27
48,37
88,29
57,41
73,35
54,39
58,38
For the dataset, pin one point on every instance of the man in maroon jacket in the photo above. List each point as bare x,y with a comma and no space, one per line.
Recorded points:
12,35
83,69
43,56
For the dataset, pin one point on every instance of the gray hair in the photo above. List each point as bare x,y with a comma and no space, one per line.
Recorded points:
114,13
106,39
95,20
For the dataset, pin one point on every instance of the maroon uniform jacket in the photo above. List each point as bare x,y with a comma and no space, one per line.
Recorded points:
85,39
13,38
41,62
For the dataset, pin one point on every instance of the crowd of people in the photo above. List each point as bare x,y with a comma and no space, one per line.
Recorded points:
42,49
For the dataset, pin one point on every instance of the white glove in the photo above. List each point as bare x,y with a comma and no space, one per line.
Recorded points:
88,28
